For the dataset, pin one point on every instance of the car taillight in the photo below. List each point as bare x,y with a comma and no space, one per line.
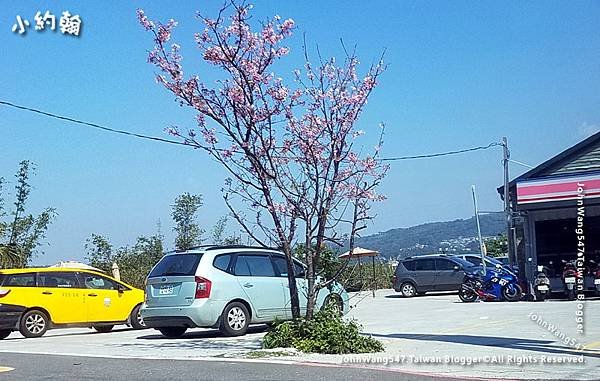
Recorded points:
202,288
3,293
394,279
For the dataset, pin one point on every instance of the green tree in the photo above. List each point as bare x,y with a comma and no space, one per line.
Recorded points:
218,234
497,246
22,233
134,262
100,253
328,263
218,231
184,211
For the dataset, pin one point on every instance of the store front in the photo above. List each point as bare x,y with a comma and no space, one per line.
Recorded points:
550,203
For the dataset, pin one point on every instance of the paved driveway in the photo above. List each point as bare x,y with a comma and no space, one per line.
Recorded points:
434,334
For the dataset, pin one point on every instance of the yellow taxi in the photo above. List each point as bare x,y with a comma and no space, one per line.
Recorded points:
33,300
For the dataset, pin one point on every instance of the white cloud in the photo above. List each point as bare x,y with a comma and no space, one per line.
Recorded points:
585,130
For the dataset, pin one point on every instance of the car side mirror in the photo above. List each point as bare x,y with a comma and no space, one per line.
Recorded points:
121,288
456,268
498,266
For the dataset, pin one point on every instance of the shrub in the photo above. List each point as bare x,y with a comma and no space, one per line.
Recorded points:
351,276
327,333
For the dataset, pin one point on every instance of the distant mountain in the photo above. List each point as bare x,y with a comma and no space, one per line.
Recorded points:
456,236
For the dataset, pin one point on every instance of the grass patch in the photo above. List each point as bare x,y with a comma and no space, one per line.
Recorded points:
265,354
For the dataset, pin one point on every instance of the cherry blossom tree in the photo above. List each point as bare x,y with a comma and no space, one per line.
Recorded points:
296,172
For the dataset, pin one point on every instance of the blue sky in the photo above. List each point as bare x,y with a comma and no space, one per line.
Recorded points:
460,74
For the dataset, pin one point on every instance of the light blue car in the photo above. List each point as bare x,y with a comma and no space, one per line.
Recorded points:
226,287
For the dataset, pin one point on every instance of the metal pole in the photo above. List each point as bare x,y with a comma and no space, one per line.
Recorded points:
481,245
374,277
507,210
362,284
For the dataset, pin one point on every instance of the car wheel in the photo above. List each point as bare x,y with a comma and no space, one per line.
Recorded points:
172,332
334,303
235,319
135,319
4,333
408,290
33,323
103,328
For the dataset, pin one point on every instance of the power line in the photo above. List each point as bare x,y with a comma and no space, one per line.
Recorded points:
441,153
94,125
520,163
154,138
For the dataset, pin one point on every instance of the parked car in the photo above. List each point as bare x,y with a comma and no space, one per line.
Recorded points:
33,300
475,259
438,272
506,262
226,287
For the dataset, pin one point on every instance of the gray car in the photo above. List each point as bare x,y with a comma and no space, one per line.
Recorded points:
226,287
421,274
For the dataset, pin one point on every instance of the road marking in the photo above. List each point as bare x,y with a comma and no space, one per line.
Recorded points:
589,346
6,369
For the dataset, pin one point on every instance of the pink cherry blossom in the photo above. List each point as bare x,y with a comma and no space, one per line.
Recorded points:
289,145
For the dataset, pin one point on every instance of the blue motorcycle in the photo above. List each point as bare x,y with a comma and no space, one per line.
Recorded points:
497,284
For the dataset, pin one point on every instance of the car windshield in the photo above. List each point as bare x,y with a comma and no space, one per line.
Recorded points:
176,265
477,257
462,262
493,260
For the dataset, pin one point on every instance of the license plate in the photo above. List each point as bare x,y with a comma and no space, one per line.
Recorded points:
570,280
165,290
543,288
596,281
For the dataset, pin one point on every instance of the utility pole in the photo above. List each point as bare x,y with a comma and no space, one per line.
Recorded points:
507,209
481,244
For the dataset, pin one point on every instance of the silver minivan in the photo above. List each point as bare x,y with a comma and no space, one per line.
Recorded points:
226,287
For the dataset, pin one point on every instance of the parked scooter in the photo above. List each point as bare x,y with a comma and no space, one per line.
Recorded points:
497,284
569,277
595,273
541,284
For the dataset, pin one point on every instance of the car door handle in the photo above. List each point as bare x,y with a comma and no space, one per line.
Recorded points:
248,285
47,293
92,294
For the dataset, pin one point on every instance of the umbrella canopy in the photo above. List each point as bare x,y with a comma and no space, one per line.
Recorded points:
360,252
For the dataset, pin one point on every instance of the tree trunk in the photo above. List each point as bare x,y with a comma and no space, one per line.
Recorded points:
295,301
310,276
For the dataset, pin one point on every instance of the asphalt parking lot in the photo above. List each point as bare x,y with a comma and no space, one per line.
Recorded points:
432,334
